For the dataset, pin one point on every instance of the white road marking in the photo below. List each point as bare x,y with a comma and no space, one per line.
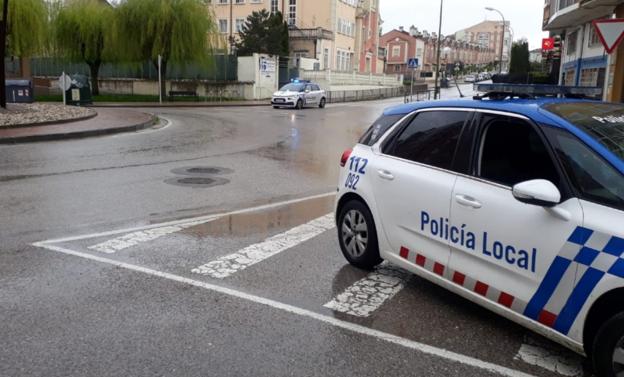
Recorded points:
185,221
368,294
132,239
252,254
359,329
567,365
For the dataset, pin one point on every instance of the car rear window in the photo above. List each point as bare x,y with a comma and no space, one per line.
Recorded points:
603,121
379,128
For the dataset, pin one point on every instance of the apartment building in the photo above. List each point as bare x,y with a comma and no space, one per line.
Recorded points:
341,35
584,61
487,34
400,47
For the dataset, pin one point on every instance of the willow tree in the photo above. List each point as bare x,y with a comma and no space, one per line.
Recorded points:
22,32
175,30
82,31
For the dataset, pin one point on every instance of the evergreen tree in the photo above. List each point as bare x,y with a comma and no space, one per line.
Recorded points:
264,33
520,58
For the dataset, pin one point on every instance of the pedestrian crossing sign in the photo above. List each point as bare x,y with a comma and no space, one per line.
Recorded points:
412,63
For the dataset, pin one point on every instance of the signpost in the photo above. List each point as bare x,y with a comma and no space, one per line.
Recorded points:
412,63
64,84
611,32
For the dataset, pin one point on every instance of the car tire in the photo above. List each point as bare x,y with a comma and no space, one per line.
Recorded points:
276,107
299,105
357,235
608,348
322,103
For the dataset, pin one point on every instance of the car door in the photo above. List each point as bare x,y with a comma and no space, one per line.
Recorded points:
310,95
511,252
412,184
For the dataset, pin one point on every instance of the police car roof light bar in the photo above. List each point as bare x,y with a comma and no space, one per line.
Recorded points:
502,91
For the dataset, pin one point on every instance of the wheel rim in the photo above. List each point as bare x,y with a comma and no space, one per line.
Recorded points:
618,358
354,233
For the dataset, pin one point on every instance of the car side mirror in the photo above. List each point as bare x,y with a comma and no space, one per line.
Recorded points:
307,90
539,192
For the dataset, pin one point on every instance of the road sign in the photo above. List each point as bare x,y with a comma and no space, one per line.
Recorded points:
64,82
412,63
548,44
611,32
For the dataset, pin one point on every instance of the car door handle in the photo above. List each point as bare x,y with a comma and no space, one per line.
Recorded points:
384,174
467,201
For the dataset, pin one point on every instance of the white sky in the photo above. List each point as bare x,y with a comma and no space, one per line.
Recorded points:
525,16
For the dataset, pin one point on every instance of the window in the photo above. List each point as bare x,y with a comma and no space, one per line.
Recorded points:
591,176
239,25
594,40
343,60
513,152
430,138
223,26
224,1
396,51
274,6
571,43
379,128
326,58
292,12
240,1
315,87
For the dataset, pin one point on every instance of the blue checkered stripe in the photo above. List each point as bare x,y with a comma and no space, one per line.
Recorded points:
595,255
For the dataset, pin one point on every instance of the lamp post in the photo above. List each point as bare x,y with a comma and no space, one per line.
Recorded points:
436,94
500,65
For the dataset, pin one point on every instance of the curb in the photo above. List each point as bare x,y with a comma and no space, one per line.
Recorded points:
80,134
173,105
49,122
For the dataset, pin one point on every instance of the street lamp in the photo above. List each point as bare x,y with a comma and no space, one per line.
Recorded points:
436,94
500,66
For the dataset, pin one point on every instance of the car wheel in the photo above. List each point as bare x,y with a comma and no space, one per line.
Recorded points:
299,105
276,107
608,350
322,103
357,235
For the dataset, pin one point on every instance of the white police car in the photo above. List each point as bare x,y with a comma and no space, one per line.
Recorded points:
515,204
298,95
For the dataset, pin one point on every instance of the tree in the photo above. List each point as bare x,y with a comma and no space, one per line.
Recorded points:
520,58
82,31
264,33
177,30
22,32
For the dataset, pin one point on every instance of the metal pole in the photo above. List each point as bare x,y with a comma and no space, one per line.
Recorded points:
3,37
500,68
159,80
63,84
412,87
436,94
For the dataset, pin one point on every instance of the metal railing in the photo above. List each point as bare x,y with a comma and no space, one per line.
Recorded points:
317,33
338,96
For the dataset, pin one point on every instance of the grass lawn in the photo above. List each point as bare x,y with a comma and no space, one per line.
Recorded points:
132,98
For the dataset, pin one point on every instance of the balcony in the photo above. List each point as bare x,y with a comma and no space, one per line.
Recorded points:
562,14
310,34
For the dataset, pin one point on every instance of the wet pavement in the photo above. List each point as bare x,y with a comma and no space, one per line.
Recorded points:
207,248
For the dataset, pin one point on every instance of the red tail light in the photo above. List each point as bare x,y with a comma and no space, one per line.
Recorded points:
345,157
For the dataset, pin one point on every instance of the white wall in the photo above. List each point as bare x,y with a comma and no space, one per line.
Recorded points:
262,71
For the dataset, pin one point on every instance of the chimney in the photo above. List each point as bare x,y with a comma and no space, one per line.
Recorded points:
401,29
413,31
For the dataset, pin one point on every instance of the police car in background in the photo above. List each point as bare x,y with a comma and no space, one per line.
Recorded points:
298,94
515,204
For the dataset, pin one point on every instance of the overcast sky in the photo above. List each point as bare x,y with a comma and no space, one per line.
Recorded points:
525,16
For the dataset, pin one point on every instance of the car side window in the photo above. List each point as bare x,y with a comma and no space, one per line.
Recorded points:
430,138
308,88
595,179
511,151
315,88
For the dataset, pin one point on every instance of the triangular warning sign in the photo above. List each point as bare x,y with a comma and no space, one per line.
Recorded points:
611,32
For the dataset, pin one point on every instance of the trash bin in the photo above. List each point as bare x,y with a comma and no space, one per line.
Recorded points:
79,93
19,91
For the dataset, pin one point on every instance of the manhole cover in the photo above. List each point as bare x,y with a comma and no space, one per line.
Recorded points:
197,181
201,170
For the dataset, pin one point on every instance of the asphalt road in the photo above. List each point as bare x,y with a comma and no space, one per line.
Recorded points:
202,248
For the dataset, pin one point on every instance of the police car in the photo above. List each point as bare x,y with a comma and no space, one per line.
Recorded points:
298,94
515,204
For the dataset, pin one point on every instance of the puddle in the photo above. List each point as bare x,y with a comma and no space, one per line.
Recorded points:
202,170
264,222
199,182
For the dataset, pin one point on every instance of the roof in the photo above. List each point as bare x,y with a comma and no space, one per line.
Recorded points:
531,108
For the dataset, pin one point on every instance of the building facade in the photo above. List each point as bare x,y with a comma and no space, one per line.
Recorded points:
488,34
342,35
584,61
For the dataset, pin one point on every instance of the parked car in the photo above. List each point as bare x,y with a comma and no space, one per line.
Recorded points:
470,78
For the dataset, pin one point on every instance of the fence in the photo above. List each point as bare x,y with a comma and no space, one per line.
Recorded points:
328,78
364,95
219,68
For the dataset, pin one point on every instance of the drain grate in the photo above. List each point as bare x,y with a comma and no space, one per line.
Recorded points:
197,181
201,170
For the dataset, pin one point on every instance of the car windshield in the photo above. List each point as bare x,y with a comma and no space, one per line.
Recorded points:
603,121
293,88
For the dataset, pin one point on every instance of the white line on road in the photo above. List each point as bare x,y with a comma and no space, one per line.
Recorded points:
132,239
252,254
369,293
185,221
359,329
564,364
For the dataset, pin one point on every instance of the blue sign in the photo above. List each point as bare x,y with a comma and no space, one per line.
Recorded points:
412,63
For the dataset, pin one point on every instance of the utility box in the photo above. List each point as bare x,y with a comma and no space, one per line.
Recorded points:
19,91
79,93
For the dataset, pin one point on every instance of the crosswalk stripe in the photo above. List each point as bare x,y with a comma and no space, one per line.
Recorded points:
368,294
240,260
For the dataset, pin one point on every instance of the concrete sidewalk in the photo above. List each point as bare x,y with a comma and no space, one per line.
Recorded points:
182,104
107,121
